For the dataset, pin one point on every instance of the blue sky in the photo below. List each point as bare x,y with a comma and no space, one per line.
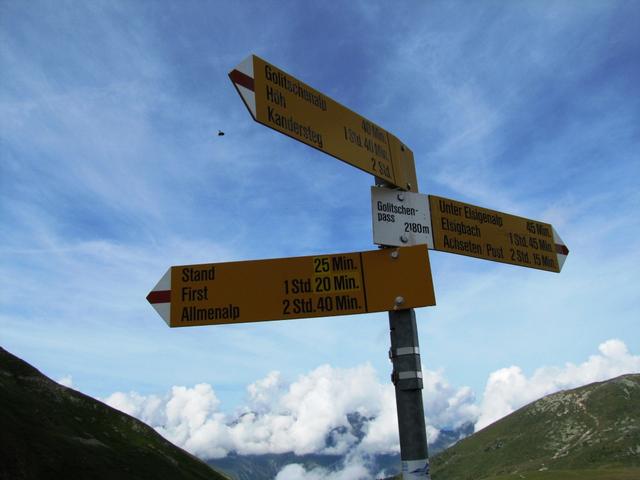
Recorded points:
111,171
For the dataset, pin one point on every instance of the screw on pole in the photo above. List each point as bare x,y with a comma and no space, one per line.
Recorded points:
407,379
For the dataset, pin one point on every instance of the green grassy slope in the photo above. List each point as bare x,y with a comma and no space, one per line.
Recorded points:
594,474
590,429
48,431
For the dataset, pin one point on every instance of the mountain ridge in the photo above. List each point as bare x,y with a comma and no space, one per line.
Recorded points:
52,431
593,427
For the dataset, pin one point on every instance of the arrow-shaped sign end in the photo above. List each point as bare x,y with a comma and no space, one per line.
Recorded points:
562,250
243,79
160,297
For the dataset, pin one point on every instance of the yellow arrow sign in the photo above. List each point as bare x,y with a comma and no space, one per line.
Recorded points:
297,287
409,218
282,102
479,232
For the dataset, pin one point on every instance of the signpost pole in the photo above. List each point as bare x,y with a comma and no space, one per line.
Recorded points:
407,378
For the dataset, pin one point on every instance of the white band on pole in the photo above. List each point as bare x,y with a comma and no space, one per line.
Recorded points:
409,375
407,351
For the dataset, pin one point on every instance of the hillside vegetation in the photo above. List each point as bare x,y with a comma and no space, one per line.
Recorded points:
589,433
52,432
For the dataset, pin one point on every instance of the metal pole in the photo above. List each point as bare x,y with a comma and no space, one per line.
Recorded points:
407,378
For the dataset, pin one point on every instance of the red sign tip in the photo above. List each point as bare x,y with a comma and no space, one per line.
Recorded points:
159,296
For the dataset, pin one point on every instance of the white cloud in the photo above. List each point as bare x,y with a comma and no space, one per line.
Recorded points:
382,434
353,469
445,405
265,391
508,389
355,466
67,381
309,415
146,408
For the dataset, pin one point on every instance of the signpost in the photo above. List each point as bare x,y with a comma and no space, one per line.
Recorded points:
295,287
456,227
280,101
391,279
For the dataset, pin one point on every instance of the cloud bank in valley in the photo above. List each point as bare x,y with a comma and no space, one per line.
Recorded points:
312,414
309,415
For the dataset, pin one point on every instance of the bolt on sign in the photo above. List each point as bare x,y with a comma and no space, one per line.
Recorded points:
280,101
295,287
407,218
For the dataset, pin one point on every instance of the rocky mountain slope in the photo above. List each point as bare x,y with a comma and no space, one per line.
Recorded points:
48,431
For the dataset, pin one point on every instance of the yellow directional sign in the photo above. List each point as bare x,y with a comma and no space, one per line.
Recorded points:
282,102
297,287
479,232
